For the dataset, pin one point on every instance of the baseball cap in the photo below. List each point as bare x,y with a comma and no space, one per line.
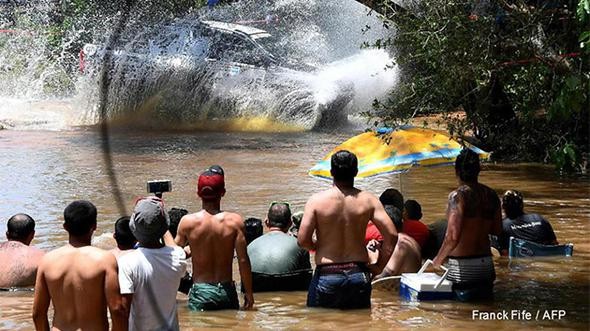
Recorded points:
211,184
150,220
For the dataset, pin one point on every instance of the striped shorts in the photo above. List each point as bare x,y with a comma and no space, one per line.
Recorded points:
471,270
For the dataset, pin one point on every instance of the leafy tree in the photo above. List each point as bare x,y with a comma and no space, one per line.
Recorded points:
513,74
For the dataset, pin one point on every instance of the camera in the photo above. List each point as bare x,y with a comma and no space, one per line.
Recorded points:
159,186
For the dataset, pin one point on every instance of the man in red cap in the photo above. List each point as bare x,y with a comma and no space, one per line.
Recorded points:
213,235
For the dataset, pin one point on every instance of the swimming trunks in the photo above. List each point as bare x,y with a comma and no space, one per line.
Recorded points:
472,276
340,285
213,296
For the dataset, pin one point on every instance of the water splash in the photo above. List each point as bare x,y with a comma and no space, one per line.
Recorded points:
160,77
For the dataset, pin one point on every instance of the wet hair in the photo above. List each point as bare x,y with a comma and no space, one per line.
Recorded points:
279,215
253,228
467,165
512,203
413,209
80,217
123,234
395,215
393,197
175,215
19,227
344,166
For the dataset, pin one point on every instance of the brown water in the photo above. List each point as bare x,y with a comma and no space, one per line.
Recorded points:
42,171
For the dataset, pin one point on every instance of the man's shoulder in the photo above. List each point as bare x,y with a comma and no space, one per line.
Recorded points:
233,219
130,259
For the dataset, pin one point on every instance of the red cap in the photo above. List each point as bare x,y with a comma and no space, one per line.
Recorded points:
211,185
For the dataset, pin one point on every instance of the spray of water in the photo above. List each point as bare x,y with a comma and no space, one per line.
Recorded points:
160,73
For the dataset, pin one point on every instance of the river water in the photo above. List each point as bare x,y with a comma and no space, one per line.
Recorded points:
42,171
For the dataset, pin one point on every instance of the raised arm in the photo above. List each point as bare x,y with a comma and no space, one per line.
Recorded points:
387,230
307,227
118,307
41,301
244,264
455,219
181,238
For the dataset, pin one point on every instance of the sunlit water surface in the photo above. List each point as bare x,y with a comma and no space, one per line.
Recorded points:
42,171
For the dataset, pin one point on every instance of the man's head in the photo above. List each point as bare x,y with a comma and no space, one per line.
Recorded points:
149,221
279,216
123,235
395,216
412,210
467,166
392,197
253,227
512,203
211,185
344,166
175,215
80,218
20,227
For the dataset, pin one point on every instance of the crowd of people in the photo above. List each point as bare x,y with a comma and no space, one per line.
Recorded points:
353,236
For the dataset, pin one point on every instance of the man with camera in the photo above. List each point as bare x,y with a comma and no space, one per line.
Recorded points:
213,235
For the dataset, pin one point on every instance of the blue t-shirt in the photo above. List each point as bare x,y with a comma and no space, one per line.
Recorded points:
531,227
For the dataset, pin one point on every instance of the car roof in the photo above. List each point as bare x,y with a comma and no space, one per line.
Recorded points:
252,32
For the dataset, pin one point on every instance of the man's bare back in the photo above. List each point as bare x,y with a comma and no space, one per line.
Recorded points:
479,209
81,283
340,217
19,264
212,239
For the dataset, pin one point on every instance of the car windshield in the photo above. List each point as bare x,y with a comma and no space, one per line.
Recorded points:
236,48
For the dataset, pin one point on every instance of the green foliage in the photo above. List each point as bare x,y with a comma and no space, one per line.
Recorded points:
516,72
564,158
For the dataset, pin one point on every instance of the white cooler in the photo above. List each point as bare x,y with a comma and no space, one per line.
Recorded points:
426,285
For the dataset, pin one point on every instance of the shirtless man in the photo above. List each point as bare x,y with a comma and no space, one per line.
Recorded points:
339,217
19,260
406,257
213,235
473,213
80,280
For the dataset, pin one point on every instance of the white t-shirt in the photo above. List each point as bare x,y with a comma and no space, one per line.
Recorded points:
152,275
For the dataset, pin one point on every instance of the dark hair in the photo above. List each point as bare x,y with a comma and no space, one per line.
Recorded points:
175,215
512,203
279,215
395,215
344,166
80,217
393,197
467,165
413,209
253,228
123,234
19,227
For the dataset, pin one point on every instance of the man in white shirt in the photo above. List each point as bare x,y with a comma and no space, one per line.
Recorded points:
150,275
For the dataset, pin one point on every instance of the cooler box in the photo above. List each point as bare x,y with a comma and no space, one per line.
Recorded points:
425,285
